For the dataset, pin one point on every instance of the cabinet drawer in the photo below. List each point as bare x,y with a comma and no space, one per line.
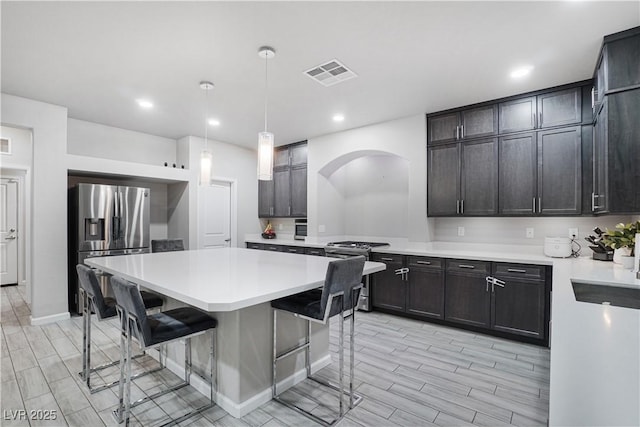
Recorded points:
425,262
275,248
468,266
522,271
293,249
314,251
254,245
387,258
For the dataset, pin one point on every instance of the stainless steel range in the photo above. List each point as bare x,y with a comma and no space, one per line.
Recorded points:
349,248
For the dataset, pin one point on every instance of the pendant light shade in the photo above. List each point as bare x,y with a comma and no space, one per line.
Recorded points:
206,159
265,139
265,156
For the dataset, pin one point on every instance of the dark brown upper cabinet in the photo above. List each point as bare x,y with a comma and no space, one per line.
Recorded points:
462,125
286,195
551,109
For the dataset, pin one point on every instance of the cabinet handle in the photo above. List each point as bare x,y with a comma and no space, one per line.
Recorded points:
462,206
461,131
540,119
516,270
457,207
466,266
593,201
593,98
293,250
289,210
386,259
424,262
539,204
533,119
533,208
457,133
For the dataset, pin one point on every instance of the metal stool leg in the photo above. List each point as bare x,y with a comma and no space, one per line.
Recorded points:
275,355
341,359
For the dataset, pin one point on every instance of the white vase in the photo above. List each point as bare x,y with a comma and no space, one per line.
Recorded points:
619,253
627,261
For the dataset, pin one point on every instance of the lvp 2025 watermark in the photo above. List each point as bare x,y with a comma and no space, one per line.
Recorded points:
35,414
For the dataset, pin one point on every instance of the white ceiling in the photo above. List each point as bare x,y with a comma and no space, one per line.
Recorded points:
96,58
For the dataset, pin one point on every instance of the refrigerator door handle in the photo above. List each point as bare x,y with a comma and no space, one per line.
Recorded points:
116,228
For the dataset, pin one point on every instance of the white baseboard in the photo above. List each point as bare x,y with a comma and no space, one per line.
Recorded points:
36,321
239,410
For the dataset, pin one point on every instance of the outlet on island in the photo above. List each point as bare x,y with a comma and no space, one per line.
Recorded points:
461,231
529,232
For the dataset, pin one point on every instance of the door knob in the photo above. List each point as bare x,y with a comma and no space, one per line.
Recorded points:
12,230
227,240
10,238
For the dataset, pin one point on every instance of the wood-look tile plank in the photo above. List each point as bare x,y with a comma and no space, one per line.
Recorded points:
431,399
84,418
485,420
45,402
406,419
16,341
445,420
400,402
32,383
522,376
460,379
433,381
493,377
13,404
367,418
257,418
68,395
42,348
23,359
538,412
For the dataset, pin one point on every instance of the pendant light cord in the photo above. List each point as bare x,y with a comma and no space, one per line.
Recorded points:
266,88
206,113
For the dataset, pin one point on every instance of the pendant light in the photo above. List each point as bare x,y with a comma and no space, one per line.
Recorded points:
265,139
206,158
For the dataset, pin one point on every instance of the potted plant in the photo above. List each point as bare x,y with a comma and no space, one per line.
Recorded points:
622,240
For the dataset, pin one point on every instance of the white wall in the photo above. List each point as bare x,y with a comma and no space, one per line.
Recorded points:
106,142
48,201
403,138
512,230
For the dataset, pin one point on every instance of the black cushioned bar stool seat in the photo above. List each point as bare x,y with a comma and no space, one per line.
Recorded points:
156,330
93,301
338,296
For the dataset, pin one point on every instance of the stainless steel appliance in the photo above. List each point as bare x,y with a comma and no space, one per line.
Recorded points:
349,248
105,220
300,229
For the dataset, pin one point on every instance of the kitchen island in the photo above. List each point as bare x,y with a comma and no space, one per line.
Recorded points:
236,285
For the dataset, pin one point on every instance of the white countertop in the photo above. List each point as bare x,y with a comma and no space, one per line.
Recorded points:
222,279
595,350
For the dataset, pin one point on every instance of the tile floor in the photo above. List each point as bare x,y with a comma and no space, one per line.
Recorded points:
410,373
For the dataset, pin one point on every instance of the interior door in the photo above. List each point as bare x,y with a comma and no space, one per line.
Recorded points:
214,219
8,231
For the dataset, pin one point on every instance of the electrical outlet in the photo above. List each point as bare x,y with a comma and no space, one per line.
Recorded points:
529,231
573,232
279,226
321,228
460,231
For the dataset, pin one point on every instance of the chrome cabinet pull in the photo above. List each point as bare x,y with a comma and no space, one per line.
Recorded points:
461,131
593,98
533,207
424,262
539,204
457,206
516,270
466,266
462,206
533,119
540,119
386,259
457,133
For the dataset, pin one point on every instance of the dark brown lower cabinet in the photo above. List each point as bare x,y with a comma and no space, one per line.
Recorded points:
413,285
466,298
388,288
518,306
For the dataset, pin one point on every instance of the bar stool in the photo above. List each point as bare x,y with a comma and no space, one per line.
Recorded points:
105,308
338,296
157,330
167,245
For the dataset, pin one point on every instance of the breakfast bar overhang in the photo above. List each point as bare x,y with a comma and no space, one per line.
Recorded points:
237,285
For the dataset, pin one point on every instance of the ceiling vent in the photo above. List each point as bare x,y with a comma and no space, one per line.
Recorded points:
330,73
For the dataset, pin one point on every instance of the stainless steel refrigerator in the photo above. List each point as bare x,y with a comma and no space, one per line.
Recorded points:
105,220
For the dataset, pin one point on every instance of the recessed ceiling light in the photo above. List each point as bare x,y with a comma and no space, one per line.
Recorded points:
521,72
214,122
338,118
144,103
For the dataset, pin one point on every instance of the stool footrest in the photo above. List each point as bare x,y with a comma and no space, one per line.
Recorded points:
292,351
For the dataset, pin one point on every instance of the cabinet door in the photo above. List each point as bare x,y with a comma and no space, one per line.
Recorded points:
388,289
600,80
443,128
481,121
282,192
479,178
425,292
298,154
623,151
265,199
299,191
560,108
517,182
519,307
443,181
467,300
517,115
599,196
623,63
559,171
281,157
